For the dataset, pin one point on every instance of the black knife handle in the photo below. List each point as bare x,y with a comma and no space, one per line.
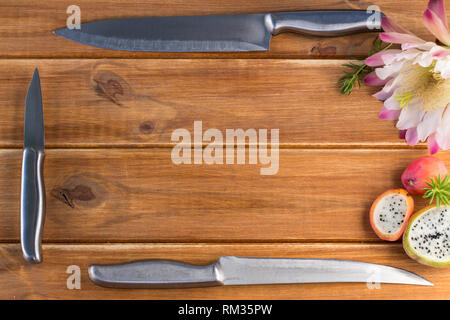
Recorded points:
155,274
325,22
32,204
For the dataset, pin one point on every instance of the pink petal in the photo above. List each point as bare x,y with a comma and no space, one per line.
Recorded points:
387,90
396,37
437,6
436,26
386,114
389,25
402,134
411,136
439,52
433,145
372,80
382,58
382,95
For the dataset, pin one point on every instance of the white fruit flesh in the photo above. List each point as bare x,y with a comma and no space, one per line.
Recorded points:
429,235
390,213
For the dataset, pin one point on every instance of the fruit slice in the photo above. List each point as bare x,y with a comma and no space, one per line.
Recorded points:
421,170
427,236
390,212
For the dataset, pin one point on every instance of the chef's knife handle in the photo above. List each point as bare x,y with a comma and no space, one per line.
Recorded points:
155,274
32,210
325,22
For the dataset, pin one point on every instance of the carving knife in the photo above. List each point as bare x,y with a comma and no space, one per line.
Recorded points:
218,33
32,203
246,271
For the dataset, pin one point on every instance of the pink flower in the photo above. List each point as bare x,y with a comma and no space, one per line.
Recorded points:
416,80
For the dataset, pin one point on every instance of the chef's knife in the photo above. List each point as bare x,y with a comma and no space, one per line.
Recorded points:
32,209
217,33
246,271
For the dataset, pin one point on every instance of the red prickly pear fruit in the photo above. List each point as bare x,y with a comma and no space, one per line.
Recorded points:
420,171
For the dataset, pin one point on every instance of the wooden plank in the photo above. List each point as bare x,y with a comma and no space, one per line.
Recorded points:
140,195
26,28
49,279
141,102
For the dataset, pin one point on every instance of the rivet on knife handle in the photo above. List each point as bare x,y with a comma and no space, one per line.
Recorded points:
32,206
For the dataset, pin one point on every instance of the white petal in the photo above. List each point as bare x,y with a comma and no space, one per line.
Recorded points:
442,138
443,66
391,103
407,54
392,84
443,131
409,117
425,59
429,124
389,70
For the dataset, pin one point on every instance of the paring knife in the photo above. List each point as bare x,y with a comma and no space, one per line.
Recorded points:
246,271
32,209
217,33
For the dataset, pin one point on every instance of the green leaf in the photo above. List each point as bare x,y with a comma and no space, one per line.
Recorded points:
439,190
358,71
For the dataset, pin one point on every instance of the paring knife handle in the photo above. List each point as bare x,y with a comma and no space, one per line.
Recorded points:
32,210
325,22
155,274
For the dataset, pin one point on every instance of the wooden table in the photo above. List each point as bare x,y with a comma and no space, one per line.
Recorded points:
113,193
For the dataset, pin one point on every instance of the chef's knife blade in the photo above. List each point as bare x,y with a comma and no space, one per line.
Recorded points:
246,271
32,209
216,33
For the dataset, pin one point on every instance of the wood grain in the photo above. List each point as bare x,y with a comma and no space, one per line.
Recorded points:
26,28
125,103
140,195
48,280
109,116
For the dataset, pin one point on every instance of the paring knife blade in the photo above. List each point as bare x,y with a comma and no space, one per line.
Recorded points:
217,33
230,270
32,204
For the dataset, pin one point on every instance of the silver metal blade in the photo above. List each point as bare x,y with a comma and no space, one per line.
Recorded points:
246,32
243,271
34,115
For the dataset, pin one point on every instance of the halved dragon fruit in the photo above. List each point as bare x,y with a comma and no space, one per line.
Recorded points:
390,212
427,236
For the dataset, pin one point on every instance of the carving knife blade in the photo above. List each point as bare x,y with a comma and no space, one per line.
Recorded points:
217,33
230,270
32,203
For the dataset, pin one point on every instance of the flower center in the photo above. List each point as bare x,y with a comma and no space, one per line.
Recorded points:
425,86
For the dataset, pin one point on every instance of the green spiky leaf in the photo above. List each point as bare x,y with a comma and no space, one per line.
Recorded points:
358,70
439,190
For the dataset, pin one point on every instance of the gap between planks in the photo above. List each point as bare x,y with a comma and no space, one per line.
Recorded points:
402,146
217,242
184,56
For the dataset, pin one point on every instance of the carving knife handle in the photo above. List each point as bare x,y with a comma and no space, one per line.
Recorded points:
155,274
325,22
32,210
